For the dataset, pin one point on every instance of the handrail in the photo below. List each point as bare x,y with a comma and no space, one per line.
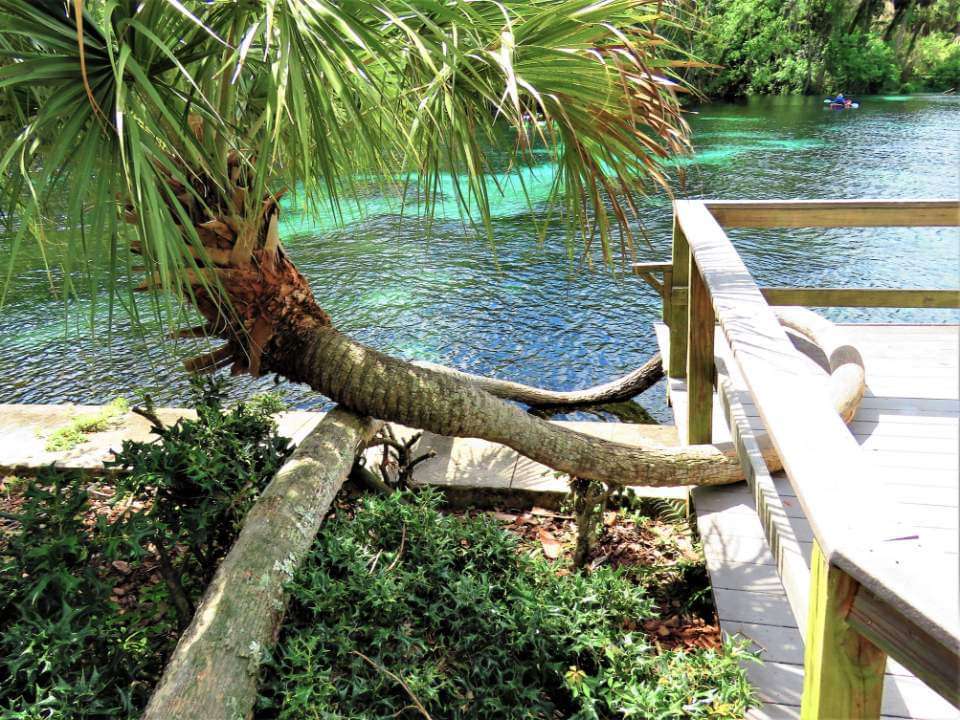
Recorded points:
835,213
844,669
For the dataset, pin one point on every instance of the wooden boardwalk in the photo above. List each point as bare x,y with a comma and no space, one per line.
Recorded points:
908,429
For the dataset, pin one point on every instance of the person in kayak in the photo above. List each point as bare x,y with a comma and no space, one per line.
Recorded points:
840,102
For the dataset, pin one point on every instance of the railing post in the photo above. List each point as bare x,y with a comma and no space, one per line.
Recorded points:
678,302
843,671
701,369
667,293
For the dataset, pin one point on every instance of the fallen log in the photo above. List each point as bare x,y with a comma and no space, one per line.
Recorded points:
214,669
847,373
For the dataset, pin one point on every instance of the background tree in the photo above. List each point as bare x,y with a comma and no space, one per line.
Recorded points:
827,46
188,120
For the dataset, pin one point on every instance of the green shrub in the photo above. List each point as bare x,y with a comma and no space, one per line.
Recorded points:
66,649
861,62
937,65
402,605
201,478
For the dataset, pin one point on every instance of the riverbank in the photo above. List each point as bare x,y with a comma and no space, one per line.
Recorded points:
849,46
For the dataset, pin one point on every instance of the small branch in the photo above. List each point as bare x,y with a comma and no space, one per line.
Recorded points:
406,470
377,666
180,600
426,456
209,362
403,540
365,476
413,440
149,415
197,331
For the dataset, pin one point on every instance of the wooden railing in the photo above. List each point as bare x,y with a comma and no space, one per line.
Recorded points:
861,605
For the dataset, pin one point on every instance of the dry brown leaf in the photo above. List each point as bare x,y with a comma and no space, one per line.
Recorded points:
543,512
552,547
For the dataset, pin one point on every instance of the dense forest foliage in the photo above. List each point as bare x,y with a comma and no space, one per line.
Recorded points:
828,46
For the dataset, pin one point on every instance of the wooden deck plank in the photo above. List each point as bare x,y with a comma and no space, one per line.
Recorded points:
903,697
759,608
733,549
747,576
920,445
773,643
773,711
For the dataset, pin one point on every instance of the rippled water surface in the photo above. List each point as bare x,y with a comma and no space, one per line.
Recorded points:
526,311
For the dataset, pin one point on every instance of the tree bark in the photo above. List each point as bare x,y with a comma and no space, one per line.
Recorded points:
619,390
900,12
214,669
374,384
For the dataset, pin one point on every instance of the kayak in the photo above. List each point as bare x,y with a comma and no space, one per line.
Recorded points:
844,104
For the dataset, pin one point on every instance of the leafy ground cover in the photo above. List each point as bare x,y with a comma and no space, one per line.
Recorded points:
403,610
97,579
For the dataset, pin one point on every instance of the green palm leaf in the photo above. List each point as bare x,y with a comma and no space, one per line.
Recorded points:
105,119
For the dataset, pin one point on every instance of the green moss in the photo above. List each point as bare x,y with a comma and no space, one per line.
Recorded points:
72,434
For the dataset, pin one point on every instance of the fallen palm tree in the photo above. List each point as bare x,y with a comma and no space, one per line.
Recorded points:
214,670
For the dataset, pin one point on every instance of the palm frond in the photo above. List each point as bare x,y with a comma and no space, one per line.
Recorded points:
149,111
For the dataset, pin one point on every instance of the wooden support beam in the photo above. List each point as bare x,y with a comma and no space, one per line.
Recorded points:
652,282
933,657
667,296
862,297
701,369
678,302
842,670
651,267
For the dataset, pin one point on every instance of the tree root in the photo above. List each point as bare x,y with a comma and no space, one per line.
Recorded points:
615,391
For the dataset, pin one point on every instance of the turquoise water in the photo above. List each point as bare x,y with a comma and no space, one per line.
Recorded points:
521,308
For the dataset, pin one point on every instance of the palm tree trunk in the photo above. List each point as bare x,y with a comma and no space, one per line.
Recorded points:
373,384
254,297
616,391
